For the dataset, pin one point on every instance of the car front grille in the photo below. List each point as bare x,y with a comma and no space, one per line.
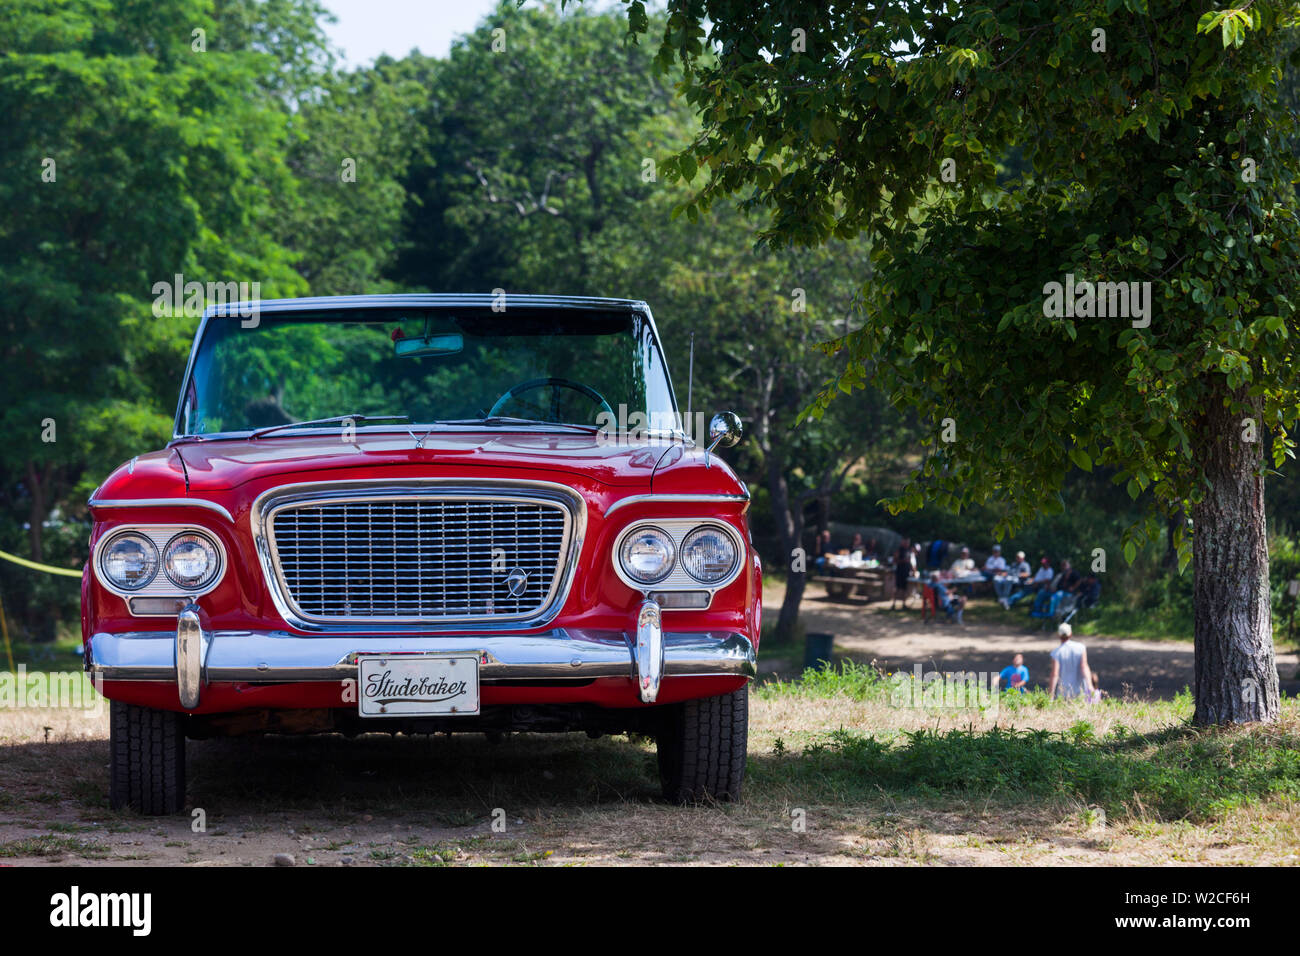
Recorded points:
420,559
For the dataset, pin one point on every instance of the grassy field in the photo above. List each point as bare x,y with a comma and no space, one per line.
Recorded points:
838,774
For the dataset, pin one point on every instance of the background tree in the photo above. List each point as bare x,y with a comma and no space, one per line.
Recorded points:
533,150
130,152
1158,153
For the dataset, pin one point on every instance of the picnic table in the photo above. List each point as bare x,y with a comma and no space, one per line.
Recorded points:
844,579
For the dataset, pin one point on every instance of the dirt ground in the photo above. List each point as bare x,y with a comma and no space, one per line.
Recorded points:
566,800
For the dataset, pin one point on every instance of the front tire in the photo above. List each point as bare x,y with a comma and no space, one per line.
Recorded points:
703,745
147,759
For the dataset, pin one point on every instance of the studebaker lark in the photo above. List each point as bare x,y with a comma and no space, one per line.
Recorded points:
425,514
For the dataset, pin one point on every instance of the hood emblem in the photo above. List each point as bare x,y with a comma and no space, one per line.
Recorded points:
517,582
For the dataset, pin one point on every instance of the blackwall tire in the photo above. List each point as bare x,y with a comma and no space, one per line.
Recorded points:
703,745
147,759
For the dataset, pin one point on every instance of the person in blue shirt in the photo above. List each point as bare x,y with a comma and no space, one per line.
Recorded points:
1016,676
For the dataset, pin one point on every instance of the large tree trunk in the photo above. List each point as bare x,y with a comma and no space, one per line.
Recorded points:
1236,676
789,525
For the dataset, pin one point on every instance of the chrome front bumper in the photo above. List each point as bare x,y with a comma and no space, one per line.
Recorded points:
192,657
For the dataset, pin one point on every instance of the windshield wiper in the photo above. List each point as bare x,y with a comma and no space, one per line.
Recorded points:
506,420
336,420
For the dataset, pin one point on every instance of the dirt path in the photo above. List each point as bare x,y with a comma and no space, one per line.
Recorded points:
898,640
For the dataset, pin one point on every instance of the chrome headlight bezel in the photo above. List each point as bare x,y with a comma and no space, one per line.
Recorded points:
150,549
140,599
645,531
679,579
213,552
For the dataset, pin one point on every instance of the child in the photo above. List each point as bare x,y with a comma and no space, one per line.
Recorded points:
1016,676
1094,692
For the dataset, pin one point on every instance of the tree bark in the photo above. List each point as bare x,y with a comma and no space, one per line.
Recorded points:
36,514
789,526
1236,676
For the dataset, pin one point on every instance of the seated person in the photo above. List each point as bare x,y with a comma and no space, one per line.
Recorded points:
952,604
821,548
1016,676
963,566
1089,590
996,564
1042,578
1049,598
872,551
1017,575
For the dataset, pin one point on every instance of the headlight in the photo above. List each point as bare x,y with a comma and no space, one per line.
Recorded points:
647,555
191,561
129,562
708,555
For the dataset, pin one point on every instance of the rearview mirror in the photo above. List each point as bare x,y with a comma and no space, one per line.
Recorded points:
444,343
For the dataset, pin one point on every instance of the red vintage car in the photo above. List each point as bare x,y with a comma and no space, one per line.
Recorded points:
425,513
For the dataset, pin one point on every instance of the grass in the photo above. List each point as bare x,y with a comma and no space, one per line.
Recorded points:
1079,753
52,847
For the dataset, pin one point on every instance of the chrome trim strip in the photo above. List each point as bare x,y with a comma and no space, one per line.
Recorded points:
658,499
160,503
279,657
272,500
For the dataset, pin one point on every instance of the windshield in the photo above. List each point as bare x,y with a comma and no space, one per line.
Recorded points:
564,366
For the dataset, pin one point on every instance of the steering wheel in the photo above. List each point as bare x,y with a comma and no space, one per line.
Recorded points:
556,384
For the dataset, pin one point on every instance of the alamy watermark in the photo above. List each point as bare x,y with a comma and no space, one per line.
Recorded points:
178,297
51,690
1102,300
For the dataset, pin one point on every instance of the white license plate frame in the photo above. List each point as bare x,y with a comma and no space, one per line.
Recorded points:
418,685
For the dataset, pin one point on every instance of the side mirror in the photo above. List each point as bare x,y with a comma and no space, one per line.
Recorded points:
725,430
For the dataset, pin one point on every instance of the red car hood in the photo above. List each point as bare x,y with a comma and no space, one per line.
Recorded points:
228,463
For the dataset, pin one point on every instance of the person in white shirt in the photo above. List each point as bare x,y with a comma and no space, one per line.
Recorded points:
1042,578
1069,667
996,564
1016,575
964,565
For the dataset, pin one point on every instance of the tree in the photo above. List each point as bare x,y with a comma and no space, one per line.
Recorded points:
539,124
758,317
131,151
1156,152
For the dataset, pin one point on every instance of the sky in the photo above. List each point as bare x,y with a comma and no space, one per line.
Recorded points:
367,28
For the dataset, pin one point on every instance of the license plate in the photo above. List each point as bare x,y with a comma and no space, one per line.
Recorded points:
419,685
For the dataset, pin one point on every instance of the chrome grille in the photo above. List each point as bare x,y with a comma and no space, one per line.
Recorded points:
419,559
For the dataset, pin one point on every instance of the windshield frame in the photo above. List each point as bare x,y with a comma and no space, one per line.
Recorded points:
342,306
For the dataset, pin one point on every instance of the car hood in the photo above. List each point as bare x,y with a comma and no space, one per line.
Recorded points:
227,463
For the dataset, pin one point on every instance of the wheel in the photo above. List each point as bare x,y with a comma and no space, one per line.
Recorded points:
702,748
147,759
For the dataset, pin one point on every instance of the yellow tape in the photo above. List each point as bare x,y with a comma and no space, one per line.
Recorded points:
38,567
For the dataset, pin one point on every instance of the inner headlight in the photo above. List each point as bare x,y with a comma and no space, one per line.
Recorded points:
129,561
647,555
708,555
191,560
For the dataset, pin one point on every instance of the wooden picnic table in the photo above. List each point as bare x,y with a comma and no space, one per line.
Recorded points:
872,583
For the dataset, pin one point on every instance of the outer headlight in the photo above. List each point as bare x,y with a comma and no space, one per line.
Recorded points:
191,560
647,555
129,562
708,554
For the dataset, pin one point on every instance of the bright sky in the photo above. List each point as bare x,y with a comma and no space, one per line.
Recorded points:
367,28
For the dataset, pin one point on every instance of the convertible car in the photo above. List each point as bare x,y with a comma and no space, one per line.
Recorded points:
420,514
